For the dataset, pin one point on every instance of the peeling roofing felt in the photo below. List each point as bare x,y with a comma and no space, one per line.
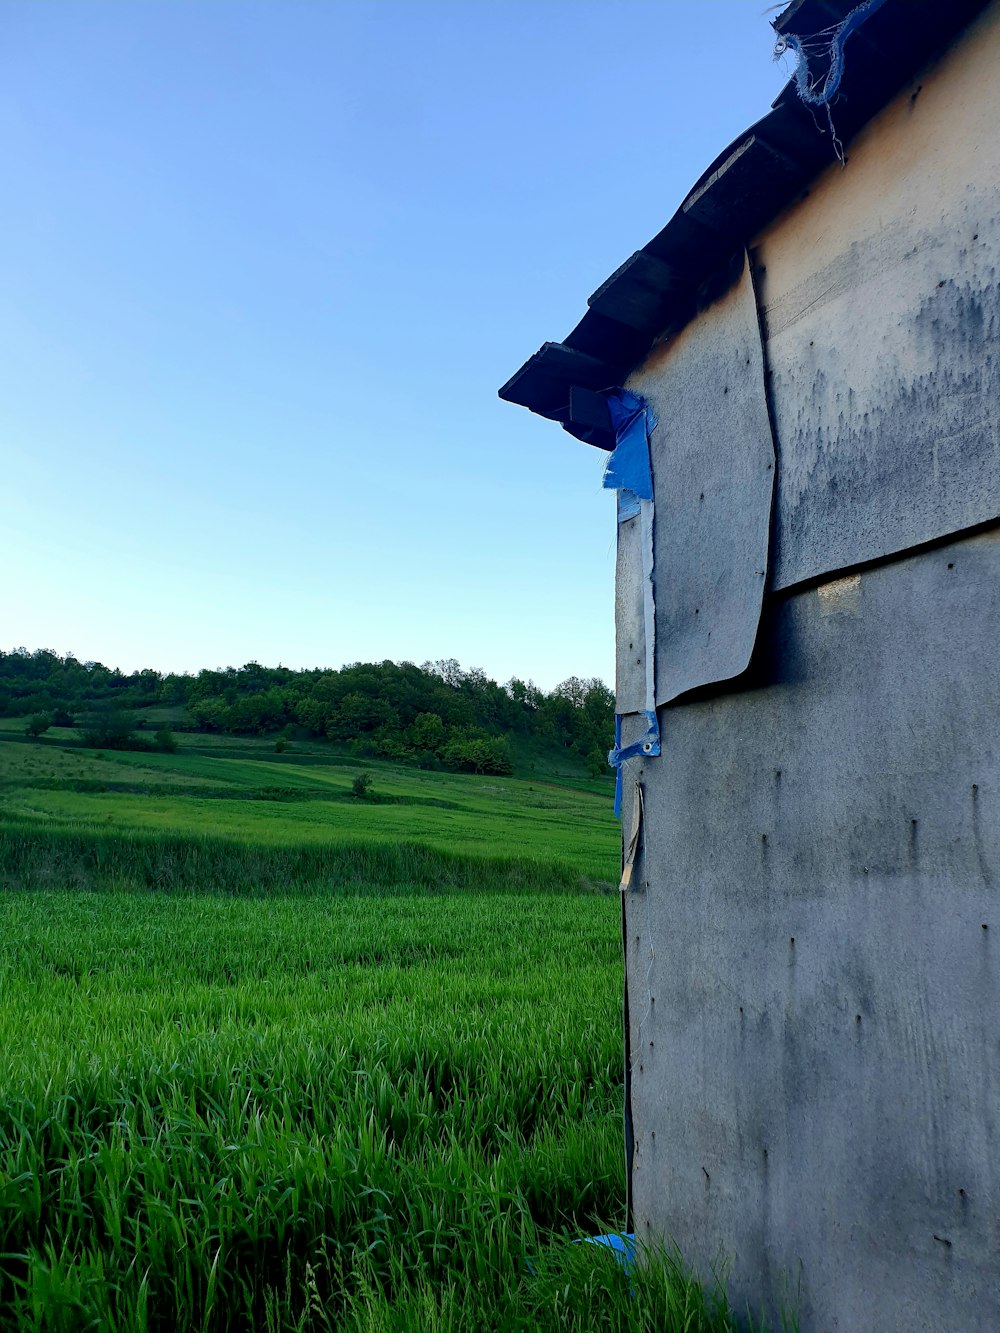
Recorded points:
853,58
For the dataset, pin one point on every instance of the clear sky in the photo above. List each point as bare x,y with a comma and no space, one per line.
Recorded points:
263,268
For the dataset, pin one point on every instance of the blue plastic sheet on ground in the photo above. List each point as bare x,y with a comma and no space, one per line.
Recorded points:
621,1244
628,465
645,747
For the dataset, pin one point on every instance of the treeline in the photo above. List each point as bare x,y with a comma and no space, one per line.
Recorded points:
437,714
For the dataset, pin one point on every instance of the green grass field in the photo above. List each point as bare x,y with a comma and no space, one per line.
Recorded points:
276,1058
280,821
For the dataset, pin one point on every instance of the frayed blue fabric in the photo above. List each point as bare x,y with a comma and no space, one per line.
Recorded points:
628,465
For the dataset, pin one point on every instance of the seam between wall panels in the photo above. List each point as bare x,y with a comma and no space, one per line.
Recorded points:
772,517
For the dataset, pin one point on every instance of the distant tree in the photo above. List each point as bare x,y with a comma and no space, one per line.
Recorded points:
438,713
448,669
360,713
210,713
478,754
165,740
109,728
38,724
362,786
426,734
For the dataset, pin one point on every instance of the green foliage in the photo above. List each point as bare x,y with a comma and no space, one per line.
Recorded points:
426,734
478,754
109,728
435,714
38,724
165,740
361,787
42,681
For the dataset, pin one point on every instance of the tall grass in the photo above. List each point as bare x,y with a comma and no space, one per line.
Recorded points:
305,1113
290,1066
193,820
182,862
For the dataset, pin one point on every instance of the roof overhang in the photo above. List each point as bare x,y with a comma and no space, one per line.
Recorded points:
662,286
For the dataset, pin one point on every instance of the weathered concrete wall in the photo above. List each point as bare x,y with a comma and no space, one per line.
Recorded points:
813,986
815,1084
881,296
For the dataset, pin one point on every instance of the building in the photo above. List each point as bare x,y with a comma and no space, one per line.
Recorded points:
799,377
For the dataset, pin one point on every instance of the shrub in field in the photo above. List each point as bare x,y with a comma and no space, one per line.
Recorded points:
164,740
363,786
478,754
38,724
109,728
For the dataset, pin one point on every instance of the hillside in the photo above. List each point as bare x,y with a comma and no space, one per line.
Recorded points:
436,716
231,812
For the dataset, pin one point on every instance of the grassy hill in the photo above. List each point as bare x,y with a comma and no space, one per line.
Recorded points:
231,814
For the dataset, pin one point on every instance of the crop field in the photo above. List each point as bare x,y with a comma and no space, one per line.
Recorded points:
234,816
278,1058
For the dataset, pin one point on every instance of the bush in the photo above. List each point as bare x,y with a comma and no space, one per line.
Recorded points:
482,754
165,740
362,786
37,724
111,728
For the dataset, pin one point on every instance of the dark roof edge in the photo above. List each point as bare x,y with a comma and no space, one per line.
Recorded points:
662,286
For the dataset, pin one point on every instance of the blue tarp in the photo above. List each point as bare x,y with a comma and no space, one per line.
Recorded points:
628,466
645,747
621,1243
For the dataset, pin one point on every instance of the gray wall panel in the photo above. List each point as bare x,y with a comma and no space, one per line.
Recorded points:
816,1058
888,434
881,299
630,632
713,477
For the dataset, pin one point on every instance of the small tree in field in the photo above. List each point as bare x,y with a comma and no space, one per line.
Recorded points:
109,728
361,787
37,724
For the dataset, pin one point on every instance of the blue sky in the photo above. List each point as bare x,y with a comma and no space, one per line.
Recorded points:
264,267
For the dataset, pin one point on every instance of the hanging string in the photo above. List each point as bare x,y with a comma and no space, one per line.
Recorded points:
824,48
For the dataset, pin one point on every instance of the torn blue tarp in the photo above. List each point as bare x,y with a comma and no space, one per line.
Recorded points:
621,1244
646,747
628,465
